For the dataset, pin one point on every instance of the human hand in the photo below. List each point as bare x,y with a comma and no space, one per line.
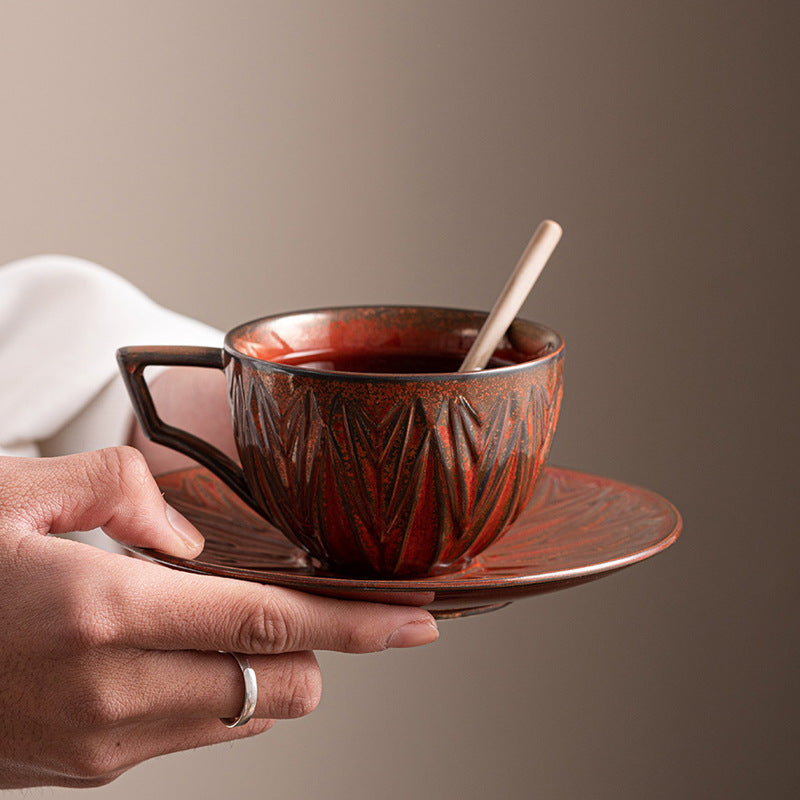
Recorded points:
106,661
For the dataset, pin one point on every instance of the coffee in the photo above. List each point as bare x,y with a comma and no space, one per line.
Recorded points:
391,362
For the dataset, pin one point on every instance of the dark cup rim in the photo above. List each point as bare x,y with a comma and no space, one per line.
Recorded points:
392,377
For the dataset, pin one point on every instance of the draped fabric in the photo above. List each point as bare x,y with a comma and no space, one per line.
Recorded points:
61,322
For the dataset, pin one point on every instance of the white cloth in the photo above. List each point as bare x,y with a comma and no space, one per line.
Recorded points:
61,322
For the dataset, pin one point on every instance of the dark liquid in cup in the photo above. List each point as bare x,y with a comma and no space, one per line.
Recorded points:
382,363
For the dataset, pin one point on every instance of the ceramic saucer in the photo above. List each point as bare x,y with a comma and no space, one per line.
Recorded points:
577,528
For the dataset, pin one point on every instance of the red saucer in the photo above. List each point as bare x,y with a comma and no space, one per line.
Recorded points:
577,528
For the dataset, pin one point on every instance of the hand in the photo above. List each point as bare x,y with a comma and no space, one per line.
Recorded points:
106,660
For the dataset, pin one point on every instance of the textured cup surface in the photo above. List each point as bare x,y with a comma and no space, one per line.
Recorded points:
390,475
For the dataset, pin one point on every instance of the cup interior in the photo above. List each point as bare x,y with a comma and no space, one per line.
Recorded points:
367,339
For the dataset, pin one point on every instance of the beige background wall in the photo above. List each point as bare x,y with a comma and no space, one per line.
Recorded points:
239,158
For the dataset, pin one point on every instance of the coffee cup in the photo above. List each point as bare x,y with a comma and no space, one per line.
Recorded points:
359,439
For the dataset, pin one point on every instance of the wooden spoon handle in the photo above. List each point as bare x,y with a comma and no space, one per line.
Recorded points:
517,288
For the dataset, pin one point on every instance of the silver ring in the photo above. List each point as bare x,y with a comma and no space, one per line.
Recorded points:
250,694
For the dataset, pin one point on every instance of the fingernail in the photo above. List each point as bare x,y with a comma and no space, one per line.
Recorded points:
190,537
412,634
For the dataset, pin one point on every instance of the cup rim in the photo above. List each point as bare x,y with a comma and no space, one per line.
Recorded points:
394,377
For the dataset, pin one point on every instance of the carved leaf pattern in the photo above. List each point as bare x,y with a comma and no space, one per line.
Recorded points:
414,487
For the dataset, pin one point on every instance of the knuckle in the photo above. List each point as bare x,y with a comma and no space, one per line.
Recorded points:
84,623
354,640
264,628
351,635
94,706
89,631
305,686
121,482
126,465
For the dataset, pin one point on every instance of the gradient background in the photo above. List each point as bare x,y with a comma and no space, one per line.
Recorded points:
240,158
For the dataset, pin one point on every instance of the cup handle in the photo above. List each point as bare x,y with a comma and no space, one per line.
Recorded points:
132,362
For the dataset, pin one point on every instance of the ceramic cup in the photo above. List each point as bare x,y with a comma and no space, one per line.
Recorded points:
361,442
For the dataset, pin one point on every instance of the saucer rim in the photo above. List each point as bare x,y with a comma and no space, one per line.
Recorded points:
451,583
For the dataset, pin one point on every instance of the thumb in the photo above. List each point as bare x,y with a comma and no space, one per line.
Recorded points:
110,489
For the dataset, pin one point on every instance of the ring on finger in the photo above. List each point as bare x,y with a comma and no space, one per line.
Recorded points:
250,694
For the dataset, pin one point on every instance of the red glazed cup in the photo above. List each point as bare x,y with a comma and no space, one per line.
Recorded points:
358,446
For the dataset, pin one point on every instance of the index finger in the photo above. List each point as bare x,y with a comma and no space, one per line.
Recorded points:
170,610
